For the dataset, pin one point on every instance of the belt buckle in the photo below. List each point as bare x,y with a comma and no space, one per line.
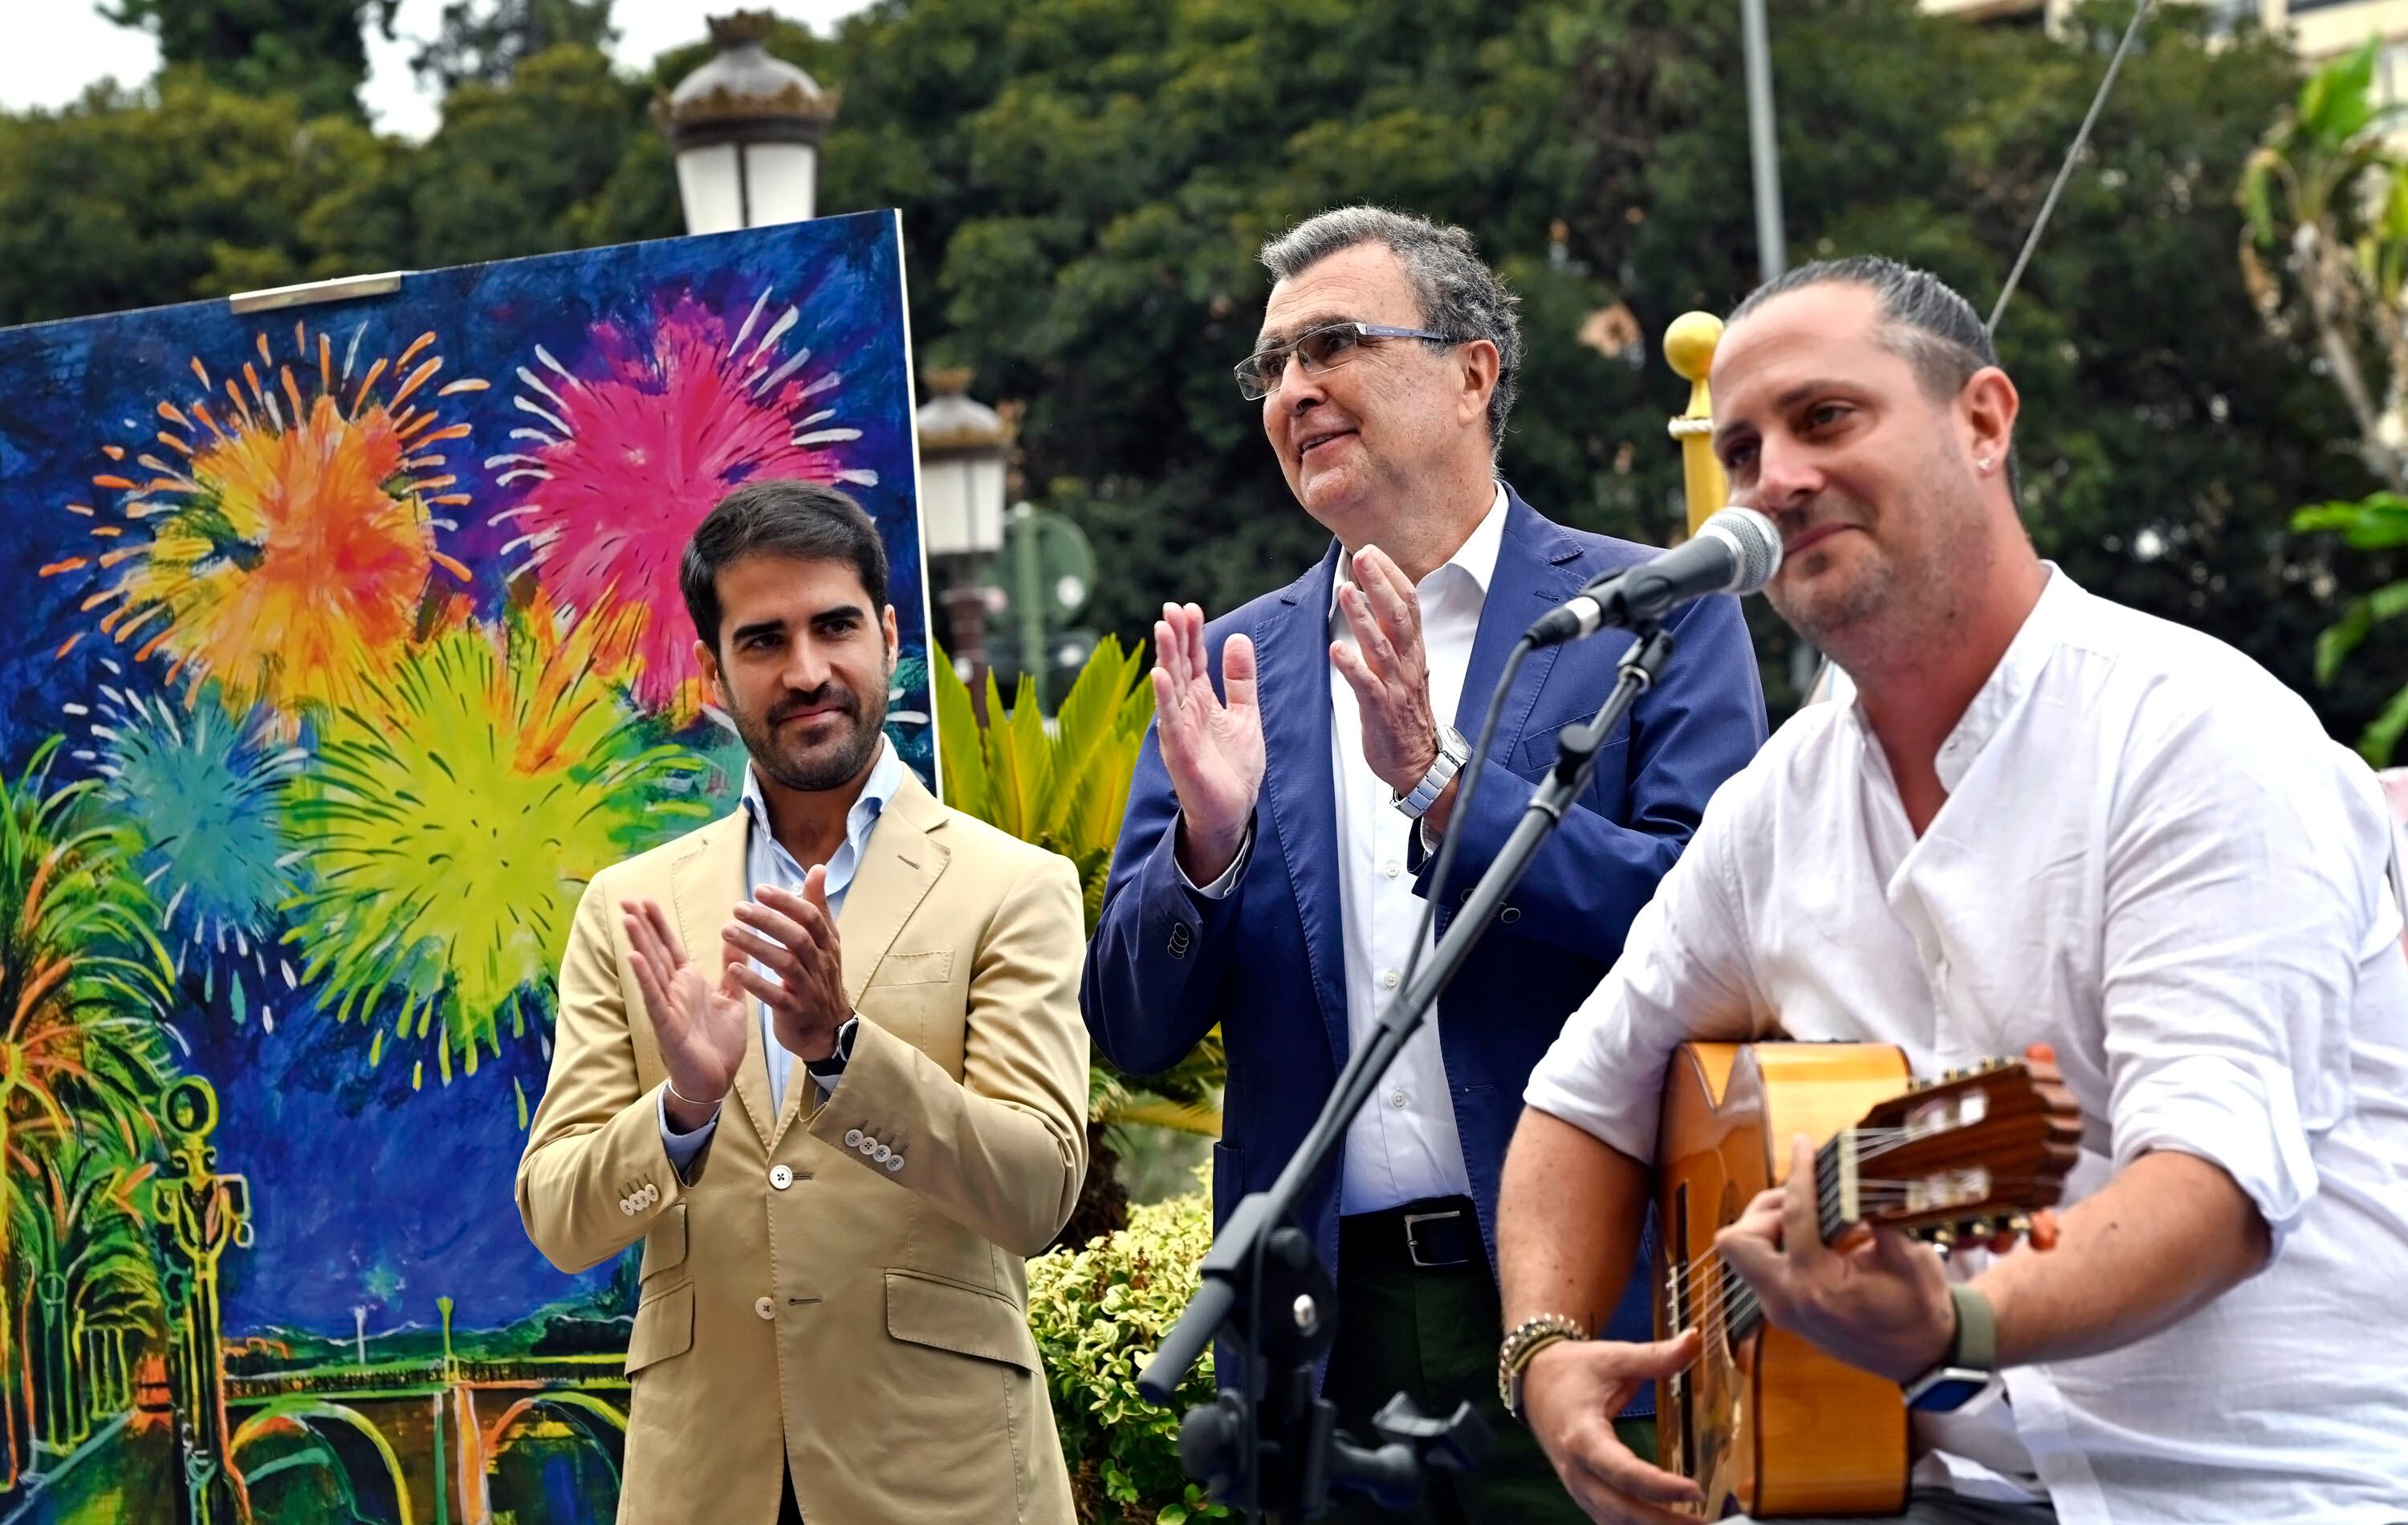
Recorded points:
1413,1246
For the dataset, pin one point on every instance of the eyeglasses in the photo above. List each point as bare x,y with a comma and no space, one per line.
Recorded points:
1320,349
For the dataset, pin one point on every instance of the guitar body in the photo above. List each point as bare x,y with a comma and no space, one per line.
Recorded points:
1767,1425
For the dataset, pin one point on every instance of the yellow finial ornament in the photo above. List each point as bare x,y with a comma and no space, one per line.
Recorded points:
1689,346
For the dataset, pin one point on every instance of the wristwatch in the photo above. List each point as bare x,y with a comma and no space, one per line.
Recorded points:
1970,1360
827,1072
1453,752
1524,1341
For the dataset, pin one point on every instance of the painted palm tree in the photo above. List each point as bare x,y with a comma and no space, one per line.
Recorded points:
83,983
83,1266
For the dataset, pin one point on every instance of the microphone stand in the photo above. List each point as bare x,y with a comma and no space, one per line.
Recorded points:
1274,1442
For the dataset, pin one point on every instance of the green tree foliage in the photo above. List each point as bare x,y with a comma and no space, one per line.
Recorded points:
1085,183
313,50
2326,199
488,42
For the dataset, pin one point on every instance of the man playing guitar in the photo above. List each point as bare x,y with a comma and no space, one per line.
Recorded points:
2044,819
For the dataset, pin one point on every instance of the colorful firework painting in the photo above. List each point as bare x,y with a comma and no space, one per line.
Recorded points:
346,646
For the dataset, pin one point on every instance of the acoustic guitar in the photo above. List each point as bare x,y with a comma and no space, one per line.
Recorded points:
1764,1423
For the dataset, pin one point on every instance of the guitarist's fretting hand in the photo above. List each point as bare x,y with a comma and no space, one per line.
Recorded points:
1879,1301
1571,1393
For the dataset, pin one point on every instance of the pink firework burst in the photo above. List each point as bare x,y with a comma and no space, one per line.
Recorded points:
619,464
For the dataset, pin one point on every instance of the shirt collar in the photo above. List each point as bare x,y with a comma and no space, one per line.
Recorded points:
2018,668
885,777
1476,555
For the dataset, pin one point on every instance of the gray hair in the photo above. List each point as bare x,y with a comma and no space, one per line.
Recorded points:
1923,321
1459,296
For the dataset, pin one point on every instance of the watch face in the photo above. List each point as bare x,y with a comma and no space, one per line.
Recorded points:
1944,1392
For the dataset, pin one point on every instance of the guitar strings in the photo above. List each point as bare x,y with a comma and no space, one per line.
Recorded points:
1733,1298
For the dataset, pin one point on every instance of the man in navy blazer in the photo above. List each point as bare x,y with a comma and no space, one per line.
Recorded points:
1272,868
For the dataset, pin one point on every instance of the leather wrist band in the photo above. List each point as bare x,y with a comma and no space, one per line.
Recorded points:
1524,1341
689,1100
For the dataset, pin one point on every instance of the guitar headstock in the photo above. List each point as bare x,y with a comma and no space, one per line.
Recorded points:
1969,1155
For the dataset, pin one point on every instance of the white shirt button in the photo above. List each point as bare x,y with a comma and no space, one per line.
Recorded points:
780,1178
1392,868
1388,978
893,1163
1397,1099
766,1308
852,1138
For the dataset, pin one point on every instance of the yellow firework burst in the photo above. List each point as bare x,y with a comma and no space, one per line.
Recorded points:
281,544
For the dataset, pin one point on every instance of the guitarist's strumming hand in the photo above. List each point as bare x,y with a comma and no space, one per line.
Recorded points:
1212,750
1877,1300
1571,1393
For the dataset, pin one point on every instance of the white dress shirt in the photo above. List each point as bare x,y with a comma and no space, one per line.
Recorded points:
767,862
2152,857
1403,1145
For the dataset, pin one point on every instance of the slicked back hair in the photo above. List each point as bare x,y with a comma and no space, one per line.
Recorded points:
1923,321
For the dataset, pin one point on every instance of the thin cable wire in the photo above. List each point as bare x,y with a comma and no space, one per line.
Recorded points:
2065,170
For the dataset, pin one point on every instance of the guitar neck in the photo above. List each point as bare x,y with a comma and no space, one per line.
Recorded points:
1835,1181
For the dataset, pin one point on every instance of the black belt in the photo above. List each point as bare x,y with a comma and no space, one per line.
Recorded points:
1436,1234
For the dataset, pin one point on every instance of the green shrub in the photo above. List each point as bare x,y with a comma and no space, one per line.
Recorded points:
1098,1314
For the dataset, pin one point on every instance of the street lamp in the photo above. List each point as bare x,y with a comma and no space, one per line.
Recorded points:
963,445
746,128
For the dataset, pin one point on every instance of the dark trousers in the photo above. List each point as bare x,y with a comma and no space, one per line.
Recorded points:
1431,1333
789,1512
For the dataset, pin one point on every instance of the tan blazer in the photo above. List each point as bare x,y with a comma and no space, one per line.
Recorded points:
840,1289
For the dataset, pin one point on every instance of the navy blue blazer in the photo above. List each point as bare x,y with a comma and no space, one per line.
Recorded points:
1267,961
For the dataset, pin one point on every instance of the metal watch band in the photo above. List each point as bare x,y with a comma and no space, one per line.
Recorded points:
1453,752
1524,1341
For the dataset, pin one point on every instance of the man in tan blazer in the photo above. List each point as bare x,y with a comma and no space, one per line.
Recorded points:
833,1323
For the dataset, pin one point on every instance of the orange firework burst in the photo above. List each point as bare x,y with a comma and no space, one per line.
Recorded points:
281,546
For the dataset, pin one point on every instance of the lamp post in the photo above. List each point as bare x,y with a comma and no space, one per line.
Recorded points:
963,444
747,129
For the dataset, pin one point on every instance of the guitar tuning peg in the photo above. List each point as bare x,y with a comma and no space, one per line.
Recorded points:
1944,1237
2019,1225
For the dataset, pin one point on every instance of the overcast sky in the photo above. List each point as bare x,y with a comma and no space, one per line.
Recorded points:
54,48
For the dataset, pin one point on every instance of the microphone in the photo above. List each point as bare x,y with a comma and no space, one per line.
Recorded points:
1737,551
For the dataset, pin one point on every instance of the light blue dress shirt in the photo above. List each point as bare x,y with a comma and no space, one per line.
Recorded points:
767,862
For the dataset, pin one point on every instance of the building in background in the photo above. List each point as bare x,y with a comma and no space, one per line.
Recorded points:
2320,28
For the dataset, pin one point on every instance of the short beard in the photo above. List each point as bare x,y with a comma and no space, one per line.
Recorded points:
1897,612
823,767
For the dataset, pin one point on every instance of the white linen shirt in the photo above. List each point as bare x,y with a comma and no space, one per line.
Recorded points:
2152,857
1403,1145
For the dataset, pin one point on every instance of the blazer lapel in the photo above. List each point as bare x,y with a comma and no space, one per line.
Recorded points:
707,884
1292,657
898,866
1537,566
